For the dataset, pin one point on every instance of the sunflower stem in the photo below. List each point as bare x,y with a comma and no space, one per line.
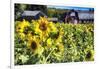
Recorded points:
48,56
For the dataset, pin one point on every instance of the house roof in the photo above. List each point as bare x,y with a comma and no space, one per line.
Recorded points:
32,13
84,15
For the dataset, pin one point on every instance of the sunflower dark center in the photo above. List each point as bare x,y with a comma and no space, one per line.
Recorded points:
33,45
56,35
19,28
88,55
32,33
43,27
26,29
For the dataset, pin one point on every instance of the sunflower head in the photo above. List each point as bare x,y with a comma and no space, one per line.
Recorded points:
21,35
43,24
19,28
89,55
60,48
21,25
52,26
34,45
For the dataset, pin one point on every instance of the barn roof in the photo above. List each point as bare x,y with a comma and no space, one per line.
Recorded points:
32,13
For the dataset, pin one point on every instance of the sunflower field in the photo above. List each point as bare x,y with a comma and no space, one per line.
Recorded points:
44,42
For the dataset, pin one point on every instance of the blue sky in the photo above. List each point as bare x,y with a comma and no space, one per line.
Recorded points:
70,7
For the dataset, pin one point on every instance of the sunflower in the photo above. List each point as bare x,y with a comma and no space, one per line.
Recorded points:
30,35
58,36
43,22
41,27
52,26
89,55
20,26
21,35
59,52
60,48
34,46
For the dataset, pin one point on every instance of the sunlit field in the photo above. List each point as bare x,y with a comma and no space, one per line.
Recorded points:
45,42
